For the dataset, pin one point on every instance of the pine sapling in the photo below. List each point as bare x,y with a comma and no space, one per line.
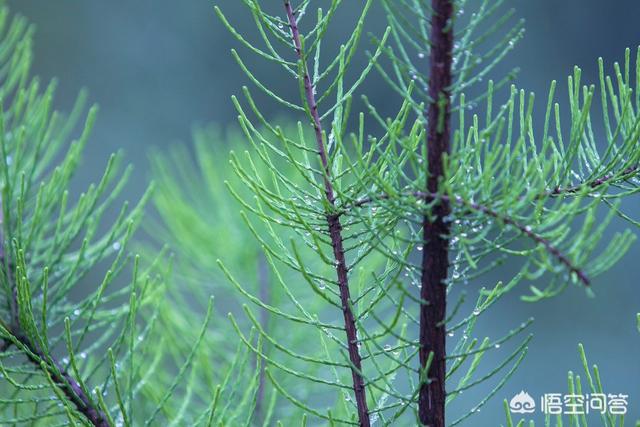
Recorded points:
416,213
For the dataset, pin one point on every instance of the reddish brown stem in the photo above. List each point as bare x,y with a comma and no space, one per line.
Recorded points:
435,258
335,232
69,386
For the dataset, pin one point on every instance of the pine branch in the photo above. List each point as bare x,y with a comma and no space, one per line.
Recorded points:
335,231
527,231
435,257
55,244
505,219
69,385
65,381
607,179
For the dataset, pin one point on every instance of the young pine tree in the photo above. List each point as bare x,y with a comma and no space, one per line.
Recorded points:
389,230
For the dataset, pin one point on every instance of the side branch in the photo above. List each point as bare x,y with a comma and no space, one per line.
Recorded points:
559,191
335,231
527,231
69,385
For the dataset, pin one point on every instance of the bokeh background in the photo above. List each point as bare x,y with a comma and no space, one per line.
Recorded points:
159,67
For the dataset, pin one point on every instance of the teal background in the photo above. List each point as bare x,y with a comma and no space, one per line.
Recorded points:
158,67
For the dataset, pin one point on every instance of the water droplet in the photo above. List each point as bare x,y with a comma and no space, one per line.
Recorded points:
451,334
421,55
116,246
420,248
76,312
387,347
476,312
497,346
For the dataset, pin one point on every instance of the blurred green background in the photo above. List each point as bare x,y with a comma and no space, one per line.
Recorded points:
158,67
